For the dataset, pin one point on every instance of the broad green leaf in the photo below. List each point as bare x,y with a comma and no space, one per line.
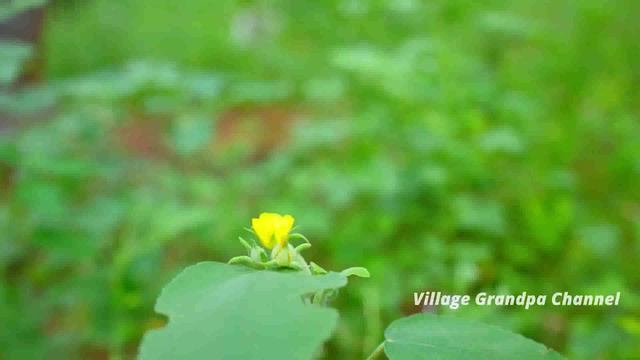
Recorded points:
220,311
429,336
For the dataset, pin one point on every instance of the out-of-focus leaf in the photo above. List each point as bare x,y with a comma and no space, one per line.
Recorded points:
502,140
27,101
481,215
601,239
192,133
260,91
12,55
10,8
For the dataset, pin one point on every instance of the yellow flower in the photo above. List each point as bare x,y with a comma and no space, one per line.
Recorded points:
272,229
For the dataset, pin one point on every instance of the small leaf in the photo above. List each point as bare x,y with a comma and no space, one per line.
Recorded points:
242,260
317,269
299,236
430,336
245,244
303,246
220,311
356,271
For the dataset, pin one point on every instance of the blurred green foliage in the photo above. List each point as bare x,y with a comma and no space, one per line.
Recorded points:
11,8
12,56
457,146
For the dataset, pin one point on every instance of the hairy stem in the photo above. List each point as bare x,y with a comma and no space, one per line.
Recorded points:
379,350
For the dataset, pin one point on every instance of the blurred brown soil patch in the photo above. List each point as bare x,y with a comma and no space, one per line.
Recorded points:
143,137
261,129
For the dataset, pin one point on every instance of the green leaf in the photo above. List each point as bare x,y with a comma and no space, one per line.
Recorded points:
442,337
192,133
220,311
356,271
12,55
12,8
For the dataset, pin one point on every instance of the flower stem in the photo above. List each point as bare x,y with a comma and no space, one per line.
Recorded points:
379,350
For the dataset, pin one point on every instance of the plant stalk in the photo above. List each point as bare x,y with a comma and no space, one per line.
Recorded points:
379,350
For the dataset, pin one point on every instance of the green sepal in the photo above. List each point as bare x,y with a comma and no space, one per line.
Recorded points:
356,271
299,236
303,246
245,260
316,269
245,244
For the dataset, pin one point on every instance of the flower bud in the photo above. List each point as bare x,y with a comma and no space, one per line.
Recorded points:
283,255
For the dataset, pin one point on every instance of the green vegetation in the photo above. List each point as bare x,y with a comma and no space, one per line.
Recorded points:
212,313
215,308
452,146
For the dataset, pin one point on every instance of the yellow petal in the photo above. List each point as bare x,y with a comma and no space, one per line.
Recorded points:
263,227
283,226
272,228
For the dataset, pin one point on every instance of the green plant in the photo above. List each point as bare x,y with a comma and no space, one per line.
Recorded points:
444,145
274,307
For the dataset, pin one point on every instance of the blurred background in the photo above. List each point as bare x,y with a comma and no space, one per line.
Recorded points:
449,145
